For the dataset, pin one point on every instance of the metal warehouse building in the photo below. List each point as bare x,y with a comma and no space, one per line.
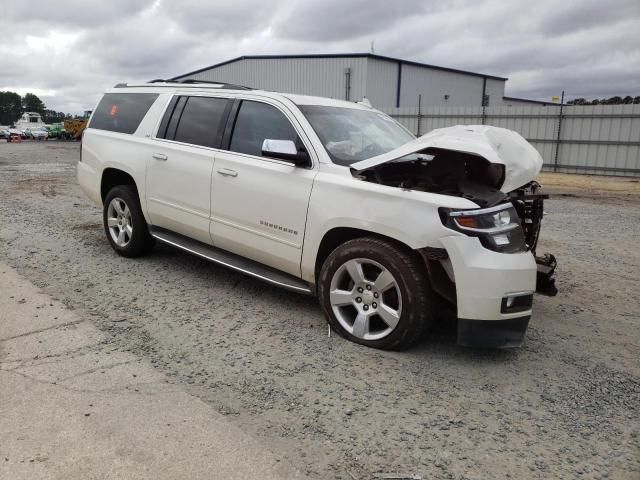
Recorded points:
385,81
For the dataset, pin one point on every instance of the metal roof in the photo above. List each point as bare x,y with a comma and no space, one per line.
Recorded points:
340,55
537,102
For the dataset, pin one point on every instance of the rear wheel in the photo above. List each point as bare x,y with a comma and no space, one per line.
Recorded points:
124,223
374,292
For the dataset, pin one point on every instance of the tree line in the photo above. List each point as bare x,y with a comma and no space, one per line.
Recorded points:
606,101
12,105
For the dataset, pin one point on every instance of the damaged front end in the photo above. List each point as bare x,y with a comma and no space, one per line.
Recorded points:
529,205
487,165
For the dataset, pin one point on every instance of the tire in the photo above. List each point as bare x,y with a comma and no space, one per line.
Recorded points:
124,223
389,286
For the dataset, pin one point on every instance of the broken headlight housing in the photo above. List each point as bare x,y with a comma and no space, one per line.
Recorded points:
498,228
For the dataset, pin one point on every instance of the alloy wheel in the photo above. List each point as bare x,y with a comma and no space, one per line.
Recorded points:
119,222
365,298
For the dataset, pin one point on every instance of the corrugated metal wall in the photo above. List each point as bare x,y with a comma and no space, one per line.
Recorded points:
599,139
382,82
310,76
433,85
371,77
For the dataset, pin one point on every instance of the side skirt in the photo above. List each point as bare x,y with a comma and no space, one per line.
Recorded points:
232,261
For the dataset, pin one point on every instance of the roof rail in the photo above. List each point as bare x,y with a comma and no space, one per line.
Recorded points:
223,84
191,81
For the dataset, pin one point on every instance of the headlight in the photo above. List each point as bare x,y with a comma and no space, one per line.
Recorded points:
498,228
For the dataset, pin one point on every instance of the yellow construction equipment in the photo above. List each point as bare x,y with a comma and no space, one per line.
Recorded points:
75,127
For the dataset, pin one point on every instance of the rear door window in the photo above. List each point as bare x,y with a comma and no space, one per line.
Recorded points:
195,120
256,122
122,112
201,120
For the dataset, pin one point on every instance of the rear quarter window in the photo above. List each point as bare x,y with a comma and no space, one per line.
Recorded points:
122,112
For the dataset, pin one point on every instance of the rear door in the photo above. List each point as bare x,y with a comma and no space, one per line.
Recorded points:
260,203
181,162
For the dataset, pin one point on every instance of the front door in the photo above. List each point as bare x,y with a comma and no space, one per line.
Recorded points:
260,204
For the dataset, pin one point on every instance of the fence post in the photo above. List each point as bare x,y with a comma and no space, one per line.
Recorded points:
555,160
419,114
484,100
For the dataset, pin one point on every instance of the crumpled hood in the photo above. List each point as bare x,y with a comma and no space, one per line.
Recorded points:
522,162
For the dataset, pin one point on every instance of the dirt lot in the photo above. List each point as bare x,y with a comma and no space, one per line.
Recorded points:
565,405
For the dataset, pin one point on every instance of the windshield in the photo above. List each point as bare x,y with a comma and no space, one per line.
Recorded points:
350,135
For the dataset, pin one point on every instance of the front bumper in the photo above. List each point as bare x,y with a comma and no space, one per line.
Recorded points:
483,279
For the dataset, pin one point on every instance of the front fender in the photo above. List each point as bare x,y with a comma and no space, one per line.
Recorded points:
339,200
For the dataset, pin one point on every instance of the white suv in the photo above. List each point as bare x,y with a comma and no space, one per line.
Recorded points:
329,198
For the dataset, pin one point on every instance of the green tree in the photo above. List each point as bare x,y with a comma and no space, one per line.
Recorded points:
10,107
51,116
31,103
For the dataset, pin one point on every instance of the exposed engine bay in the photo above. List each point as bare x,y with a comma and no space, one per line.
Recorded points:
445,172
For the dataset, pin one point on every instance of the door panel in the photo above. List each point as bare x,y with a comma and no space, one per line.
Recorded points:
179,188
261,211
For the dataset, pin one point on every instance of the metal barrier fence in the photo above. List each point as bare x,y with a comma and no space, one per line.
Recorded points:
590,139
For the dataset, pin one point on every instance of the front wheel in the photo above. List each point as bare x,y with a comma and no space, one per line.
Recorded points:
376,293
124,223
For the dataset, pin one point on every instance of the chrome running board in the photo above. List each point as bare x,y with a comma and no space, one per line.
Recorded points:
232,261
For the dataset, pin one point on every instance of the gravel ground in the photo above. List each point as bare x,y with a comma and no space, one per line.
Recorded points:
565,405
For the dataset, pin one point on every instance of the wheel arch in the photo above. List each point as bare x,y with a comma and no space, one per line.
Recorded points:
336,236
112,177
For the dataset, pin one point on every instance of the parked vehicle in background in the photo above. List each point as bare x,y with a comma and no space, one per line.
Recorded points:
57,130
4,132
29,121
14,137
15,132
329,198
39,133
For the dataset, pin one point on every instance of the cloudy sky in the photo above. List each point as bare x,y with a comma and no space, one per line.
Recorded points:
68,51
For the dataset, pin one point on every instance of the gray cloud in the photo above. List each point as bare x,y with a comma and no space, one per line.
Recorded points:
69,51
337,19
228,18
573,15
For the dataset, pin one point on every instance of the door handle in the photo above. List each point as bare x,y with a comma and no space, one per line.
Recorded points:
159,156
227,172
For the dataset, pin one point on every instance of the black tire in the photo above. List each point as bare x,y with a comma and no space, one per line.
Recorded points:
417,298
140,241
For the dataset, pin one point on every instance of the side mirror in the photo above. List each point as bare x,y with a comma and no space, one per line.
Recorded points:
285,150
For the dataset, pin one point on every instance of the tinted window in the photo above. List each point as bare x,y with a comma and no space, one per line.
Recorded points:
257,122
122,112
175,118
162,130
200,121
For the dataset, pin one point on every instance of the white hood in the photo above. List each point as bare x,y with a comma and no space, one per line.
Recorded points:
522,162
